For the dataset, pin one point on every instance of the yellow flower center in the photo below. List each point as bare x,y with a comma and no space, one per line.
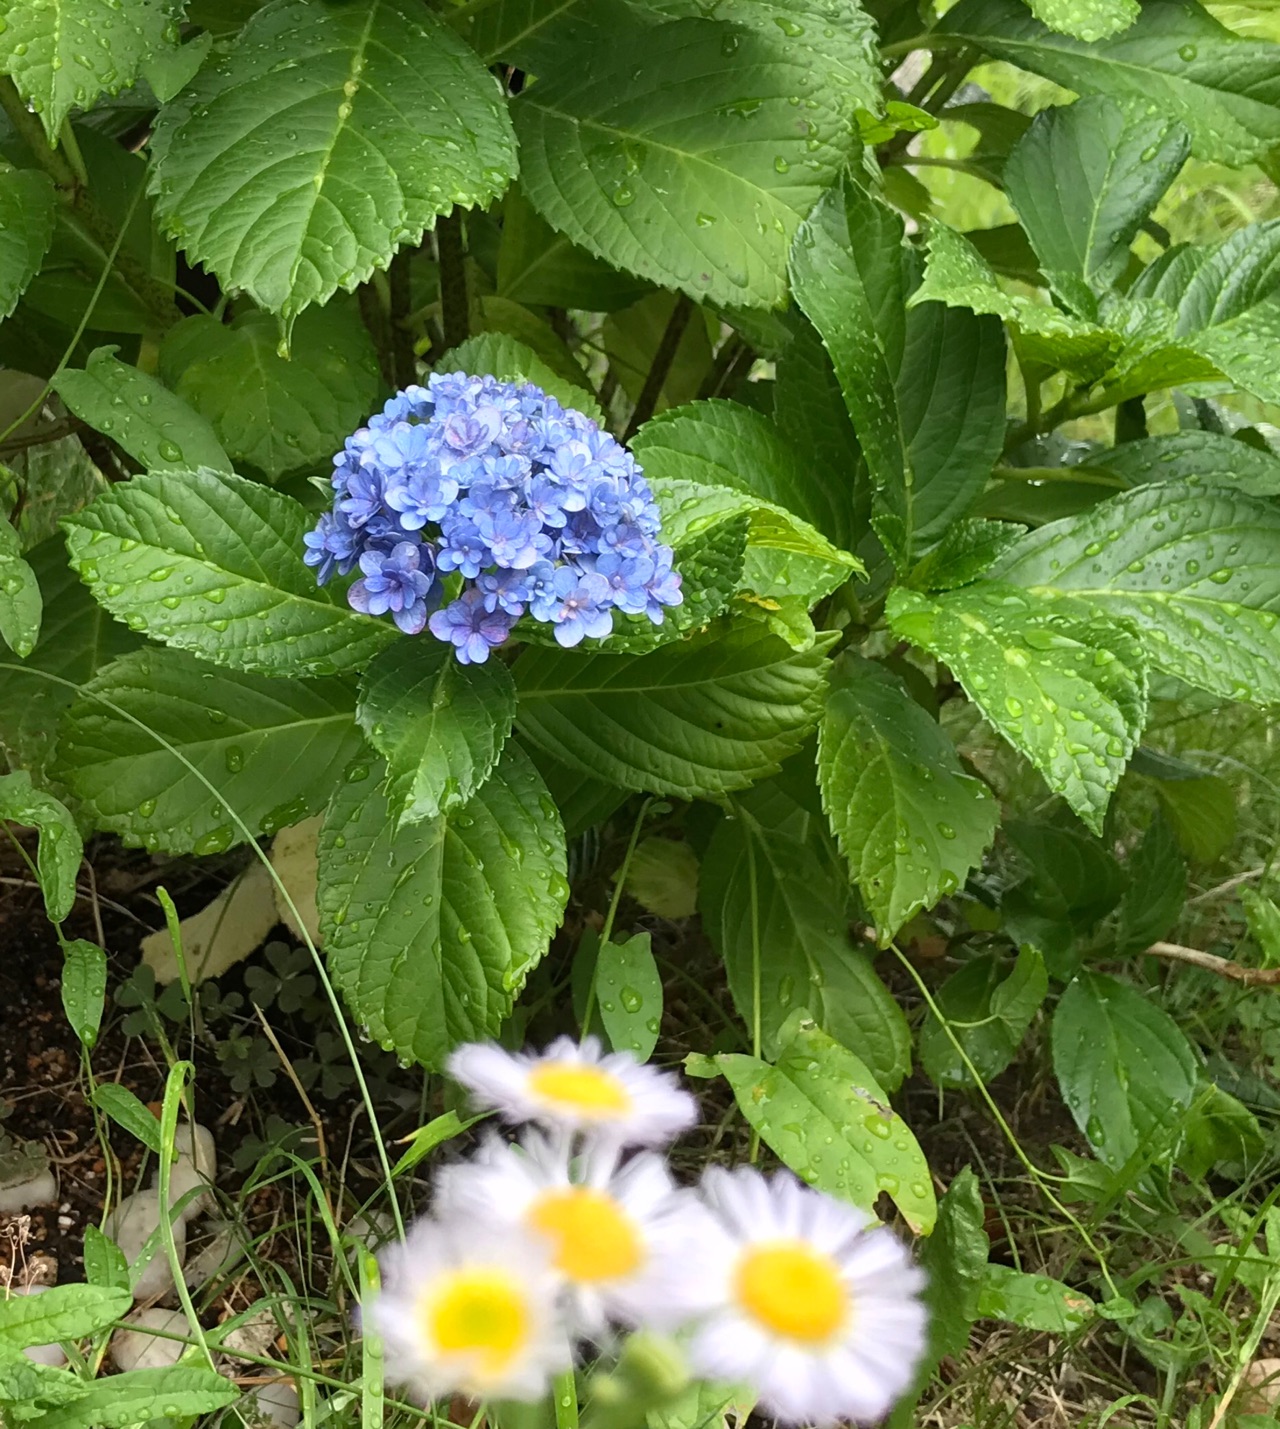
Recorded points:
483,1313
792,1290
574,1086
593,1237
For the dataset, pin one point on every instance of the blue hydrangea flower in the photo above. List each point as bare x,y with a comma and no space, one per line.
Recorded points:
334,545
399,582
527,506
577,603
470,627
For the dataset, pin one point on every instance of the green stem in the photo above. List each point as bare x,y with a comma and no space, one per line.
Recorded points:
455,315
564,1389
62,170
1040,1177
607,931
661,365
71,147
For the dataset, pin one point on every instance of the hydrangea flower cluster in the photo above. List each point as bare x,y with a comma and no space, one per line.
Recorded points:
530,503
538,1246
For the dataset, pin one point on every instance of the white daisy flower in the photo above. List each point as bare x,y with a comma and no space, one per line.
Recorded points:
621,1236
466,1311
577,1088
818,1312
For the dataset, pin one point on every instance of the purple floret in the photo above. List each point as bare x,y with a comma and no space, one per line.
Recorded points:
470,628
398,582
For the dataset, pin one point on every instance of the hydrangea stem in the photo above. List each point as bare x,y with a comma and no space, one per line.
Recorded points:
455,317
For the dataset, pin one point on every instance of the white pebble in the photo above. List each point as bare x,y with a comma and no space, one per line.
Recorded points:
277,1403
38,1190
134,1346
131,1224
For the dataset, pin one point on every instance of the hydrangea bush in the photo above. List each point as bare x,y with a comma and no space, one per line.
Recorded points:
797,469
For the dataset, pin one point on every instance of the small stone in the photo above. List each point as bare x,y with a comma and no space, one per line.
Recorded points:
37,1190
130,1226
138,1347
1260,1390
196,1166
277,1403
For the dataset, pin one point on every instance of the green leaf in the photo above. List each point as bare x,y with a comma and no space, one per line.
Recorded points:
252,603
776,915
988,1014
1176,59
278,413
63,55
431,930
1066,687
955,1259
956,274
104,1262
1034,1302
60,851
1194,569
824,1114
509,360
21,604
76,637
84,988
1210,456
1220,1134
837,39
909,820
1152,903
153,425
1263,918
725,444
968,549
1086,19
1084,178
711,462
1200,314
291,178
643,146
663,877
141,1395
63,1312
1072,883
1200,807
143,763
694,719
124,1108
852,293
26,230
951,401
437,1131
1073,878
525,32
542,268
169,71
810,412
629,993
440,725
1125,1067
